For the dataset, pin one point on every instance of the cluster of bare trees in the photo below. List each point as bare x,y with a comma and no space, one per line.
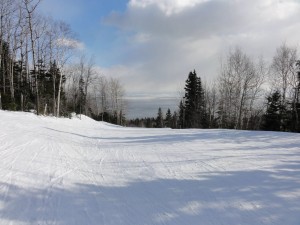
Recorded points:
239,85
108,100
29,45
90,93
237,99
284,72
36,71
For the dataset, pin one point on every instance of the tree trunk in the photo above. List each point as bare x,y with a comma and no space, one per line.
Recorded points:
1,58
12,91
45,109
22,102
58,95
29,12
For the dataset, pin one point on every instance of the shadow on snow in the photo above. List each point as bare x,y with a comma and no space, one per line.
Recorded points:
247,197
162,136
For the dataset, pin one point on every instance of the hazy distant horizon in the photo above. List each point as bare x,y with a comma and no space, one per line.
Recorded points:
148,107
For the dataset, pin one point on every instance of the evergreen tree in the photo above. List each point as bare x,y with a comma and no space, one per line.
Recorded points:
195,115
181,115
202,118
273,117
149,122
191,100
174,124
168,118
159,119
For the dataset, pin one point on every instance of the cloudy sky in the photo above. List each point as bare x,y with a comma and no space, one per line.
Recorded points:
151,45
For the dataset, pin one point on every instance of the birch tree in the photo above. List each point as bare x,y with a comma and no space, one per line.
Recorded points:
30,7
65,44
283,71
284,78
239,85
116,99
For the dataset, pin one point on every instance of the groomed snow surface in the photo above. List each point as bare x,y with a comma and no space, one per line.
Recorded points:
72,171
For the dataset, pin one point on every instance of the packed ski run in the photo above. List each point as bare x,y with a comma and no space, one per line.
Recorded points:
79,171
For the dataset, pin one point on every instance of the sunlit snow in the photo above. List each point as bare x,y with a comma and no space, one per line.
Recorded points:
72,171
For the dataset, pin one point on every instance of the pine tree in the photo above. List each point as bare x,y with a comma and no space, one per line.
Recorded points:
273,117
174,124
195,115
202,120
168,118
181,115
159,119
191,101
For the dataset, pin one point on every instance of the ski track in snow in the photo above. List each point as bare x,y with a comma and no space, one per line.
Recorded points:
61,171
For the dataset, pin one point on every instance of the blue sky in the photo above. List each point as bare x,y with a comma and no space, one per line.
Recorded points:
86,20
151,45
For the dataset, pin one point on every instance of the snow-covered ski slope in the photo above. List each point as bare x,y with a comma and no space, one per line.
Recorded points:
71,171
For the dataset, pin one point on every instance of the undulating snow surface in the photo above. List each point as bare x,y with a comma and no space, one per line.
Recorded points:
72,171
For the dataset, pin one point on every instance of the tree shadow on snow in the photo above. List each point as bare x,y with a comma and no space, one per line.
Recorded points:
159,136
241,197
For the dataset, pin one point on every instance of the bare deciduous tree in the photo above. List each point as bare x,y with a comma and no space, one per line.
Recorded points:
283,71
30,7
239,84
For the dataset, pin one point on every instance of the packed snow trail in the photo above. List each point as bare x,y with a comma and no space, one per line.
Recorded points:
72,171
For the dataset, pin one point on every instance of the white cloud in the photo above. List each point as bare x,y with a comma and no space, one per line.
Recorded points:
142,37
169,7
71,43
280,9
168,38
213,17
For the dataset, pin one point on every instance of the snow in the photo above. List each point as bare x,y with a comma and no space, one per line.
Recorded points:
72,171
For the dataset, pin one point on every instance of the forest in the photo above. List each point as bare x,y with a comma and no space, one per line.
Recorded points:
41,70
248,94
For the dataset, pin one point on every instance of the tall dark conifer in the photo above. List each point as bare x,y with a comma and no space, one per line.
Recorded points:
168,118
202,121
195,115
174,124
272,120
159,119
181,115
191,100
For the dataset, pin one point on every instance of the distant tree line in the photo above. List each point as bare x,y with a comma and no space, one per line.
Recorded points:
248,94
38,68
161,121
